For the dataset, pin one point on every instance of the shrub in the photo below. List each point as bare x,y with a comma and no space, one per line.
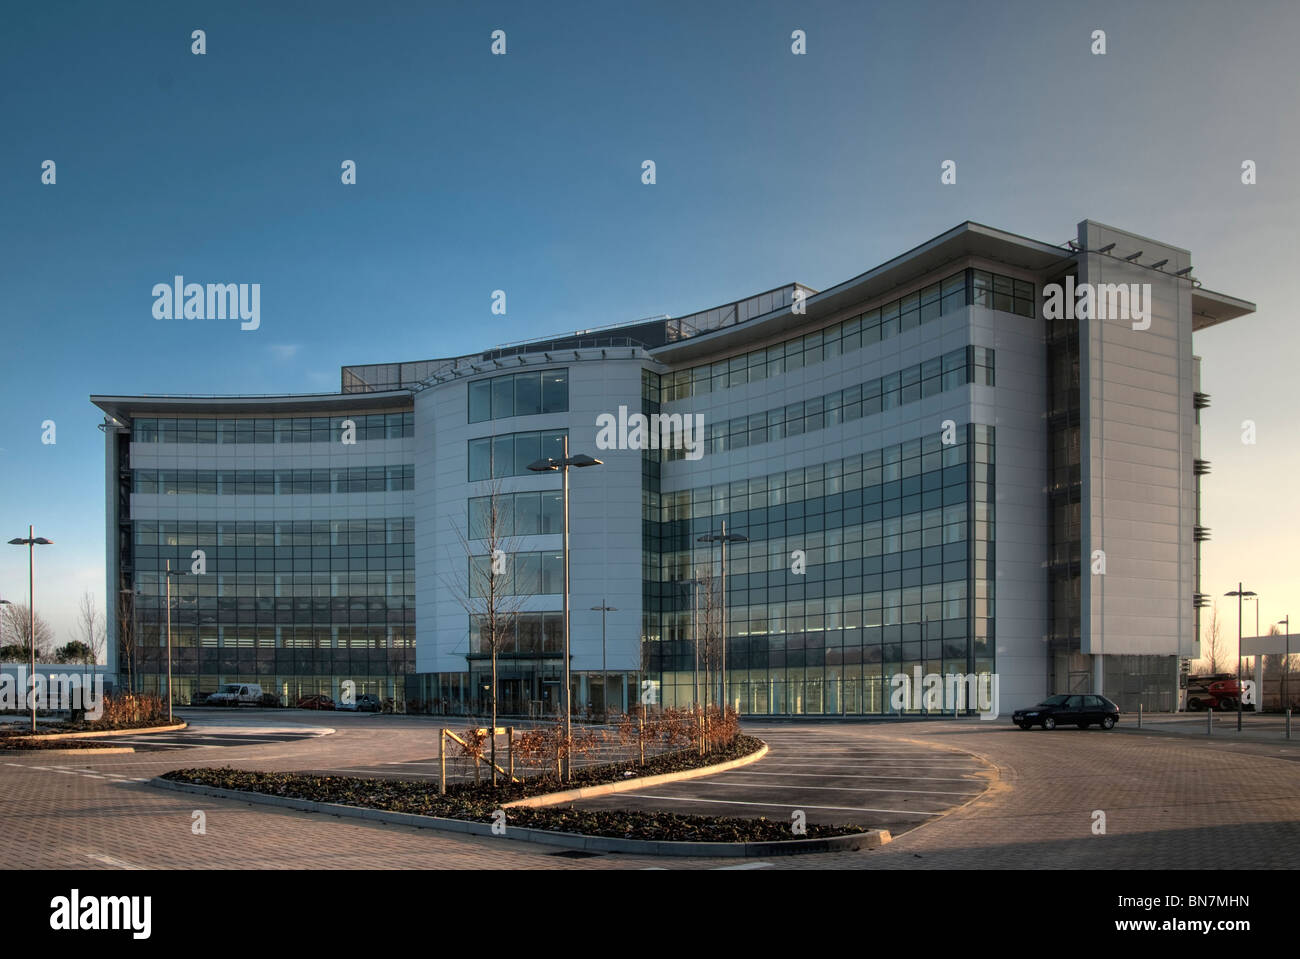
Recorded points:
131,709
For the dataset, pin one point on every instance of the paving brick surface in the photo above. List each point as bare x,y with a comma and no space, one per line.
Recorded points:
1169,802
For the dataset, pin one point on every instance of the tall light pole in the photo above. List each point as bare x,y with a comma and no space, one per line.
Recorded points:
31,542
1255,600
169,573
604,674
724,539
551,465
694,582
1241,594
1286,663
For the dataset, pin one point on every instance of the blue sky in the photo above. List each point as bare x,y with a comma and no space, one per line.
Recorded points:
522,172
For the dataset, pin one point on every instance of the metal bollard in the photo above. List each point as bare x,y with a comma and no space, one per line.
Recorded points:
1139,715
1209,721
1288,722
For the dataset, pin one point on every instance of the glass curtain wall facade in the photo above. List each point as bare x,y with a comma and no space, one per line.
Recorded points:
900,542
299,602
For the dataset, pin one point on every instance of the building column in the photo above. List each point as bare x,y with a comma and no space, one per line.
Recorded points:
1098,675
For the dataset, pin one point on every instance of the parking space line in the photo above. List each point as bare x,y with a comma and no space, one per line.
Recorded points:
849,789
786,805
891,762
935,779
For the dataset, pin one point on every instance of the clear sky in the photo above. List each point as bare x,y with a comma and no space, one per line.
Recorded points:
523,173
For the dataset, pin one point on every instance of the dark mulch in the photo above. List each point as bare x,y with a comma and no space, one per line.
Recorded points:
9,731
11,742
478,802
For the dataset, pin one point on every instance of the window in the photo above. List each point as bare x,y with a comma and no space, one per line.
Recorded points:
503,453
528,449
552,512
528,514
528,394
480,458
510,454
555,391
519,394
552,566
503,396
480,401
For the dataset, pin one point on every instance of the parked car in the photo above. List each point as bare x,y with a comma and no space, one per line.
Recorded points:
1082,710
232,694
369,703
315,702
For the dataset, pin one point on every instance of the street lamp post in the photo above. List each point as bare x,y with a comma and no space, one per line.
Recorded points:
1241,594
550,465
169,573
724,539
1286,662
604,673
31,542
694,583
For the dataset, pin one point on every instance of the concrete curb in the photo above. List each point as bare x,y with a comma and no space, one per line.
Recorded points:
101,733
866,840
605,789
106,751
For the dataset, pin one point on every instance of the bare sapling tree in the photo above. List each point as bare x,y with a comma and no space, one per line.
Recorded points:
91,627
489,589
126,638
1212,645
18,631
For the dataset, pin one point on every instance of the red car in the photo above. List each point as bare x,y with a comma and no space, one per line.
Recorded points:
316,702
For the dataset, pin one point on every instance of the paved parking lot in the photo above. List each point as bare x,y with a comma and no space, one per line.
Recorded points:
831,778
1169,802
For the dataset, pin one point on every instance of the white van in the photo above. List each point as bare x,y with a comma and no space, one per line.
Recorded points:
232,694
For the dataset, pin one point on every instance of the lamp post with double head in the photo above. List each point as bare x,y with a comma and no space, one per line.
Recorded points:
724,538
31,542
1241,594
552,465
604,672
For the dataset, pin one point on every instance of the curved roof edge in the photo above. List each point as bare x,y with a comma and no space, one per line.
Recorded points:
966,239
125,407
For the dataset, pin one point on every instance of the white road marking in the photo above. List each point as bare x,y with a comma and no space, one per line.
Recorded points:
849,789
786,805
745,865
111,861
935,779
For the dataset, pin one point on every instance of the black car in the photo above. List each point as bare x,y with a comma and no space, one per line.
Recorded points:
369,703
1082,710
